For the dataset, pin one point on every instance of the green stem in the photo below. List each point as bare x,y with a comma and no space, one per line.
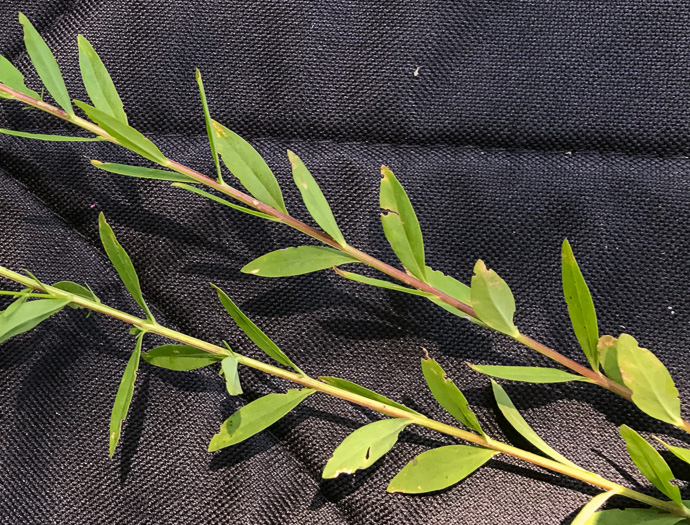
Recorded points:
383,408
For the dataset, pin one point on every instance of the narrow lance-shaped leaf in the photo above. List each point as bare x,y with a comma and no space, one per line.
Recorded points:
680,452
634,517
139,172
492,300
401,226
46,65
314,200
232,377
13,78
125,134
528,374
364,447
378,283
608,357
217,199
209,126
439,468
448,395
122,263
650,463
452,287
49,138
354,388
580,306
583,517
124,395
79,290
256,416
21,316
653,389
507,408
245,163
297,261
254,333
180,357
98,83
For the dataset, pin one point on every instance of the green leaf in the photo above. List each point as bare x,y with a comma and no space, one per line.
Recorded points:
439,468
232,377
633,517
122,263
256,416
125,134
401,226
124,395
354,388
583,517
580,306
12,78
297,261
209,125
507,408
448,395
449,286
528,374
49,138
21,316
364,447
180,357
608,357
76,289
223,201
378,282
650,463
653,389
98,83
139,172
492,300
46,65
679,452
254,332
314,200
245,163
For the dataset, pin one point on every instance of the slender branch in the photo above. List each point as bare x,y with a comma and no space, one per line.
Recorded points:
383,408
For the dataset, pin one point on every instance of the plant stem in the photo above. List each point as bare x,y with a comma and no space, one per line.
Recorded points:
383,408
592,375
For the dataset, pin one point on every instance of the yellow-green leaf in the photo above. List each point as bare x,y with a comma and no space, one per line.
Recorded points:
452,287
140,172
180,357
378,282
46,65
608,357
364,447
492,300
98,83
256,416
653,389
217,199
245,163
125,392
354,388
680,452
528,374
49,138
583,517
13,78
439,468
21,316
634,517
209,126
297,261
232,377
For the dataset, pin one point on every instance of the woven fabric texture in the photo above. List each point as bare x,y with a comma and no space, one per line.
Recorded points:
512,125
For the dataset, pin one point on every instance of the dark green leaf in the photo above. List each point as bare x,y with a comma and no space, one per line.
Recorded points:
583,517
125,134
124,395
364,447
180,357
223,201
76,289
46,65
401,226
314,200
23,315
608,357
580,306
634,517
650,463
528,374
448,395
139,172
48,138
297,261
98,83
378,283
232,377
245,163
256,416
507,408
439,468
209,125
354,388
122,263
492,300
254,332
653,389
12,78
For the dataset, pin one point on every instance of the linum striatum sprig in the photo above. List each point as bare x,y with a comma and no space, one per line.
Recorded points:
628,370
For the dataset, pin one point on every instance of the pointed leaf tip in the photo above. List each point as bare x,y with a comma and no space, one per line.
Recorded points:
492,300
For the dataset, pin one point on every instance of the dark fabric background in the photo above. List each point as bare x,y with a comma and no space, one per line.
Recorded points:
526,122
